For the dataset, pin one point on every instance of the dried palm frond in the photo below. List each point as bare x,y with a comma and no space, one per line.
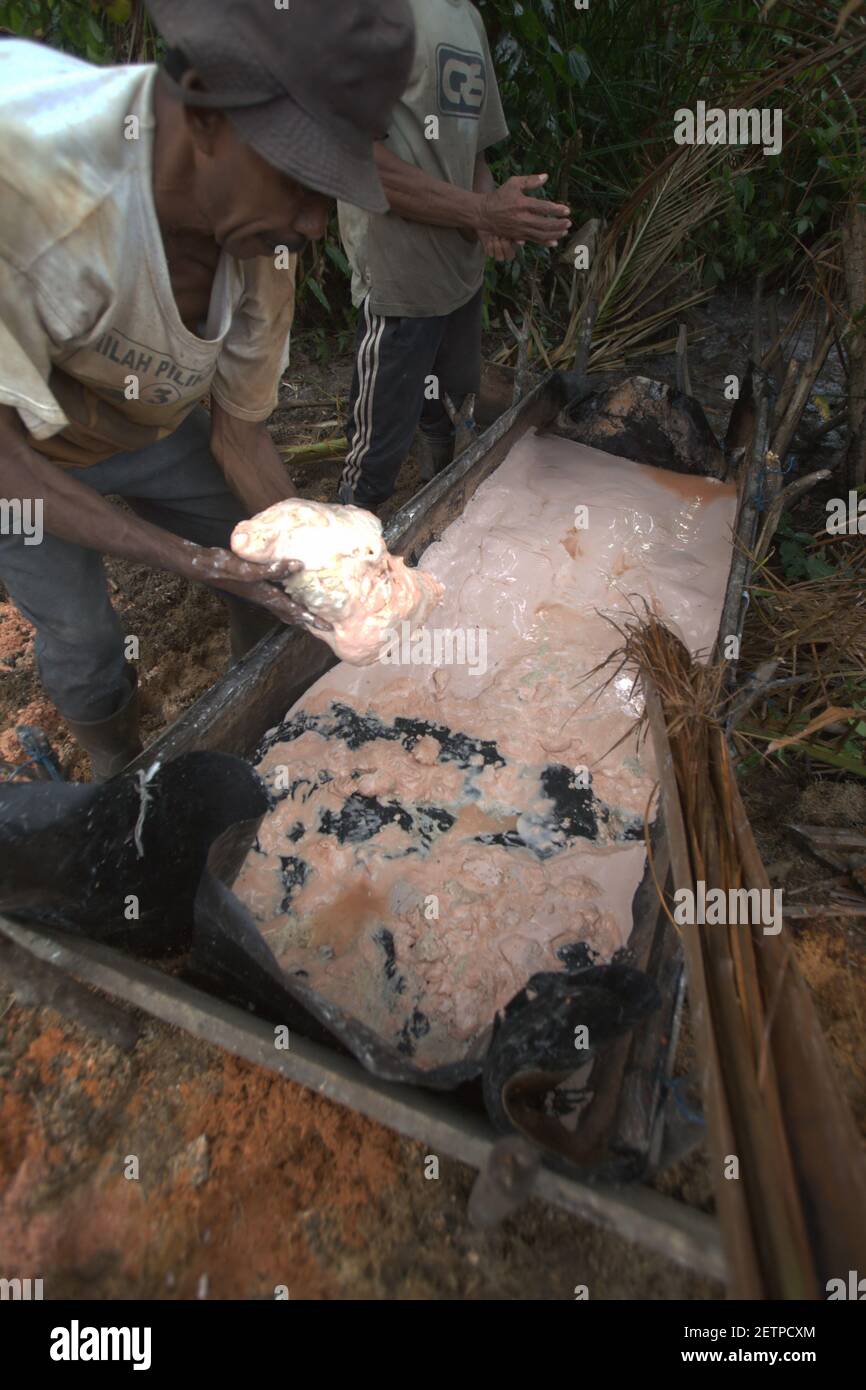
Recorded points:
793,1208
813,633
631,268
678,195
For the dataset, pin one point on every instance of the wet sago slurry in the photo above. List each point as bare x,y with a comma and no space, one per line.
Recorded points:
439,833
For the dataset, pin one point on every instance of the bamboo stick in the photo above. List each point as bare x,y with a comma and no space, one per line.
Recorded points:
789,422
684,381
325,449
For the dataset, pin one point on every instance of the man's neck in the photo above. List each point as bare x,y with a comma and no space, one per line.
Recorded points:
173,173
190,251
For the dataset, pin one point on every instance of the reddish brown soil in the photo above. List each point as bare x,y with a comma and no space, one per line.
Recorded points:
246,1183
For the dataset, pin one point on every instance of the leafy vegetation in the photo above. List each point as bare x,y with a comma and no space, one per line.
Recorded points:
590,97
109,32
800,555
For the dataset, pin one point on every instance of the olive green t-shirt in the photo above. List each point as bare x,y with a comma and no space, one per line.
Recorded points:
411,269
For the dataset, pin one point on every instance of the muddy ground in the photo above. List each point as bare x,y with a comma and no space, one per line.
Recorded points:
177,1171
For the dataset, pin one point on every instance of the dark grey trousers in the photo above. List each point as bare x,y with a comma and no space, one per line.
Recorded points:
62,590
394,357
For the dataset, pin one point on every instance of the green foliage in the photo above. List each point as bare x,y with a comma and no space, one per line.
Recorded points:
101,31
799,556
590,97
89,30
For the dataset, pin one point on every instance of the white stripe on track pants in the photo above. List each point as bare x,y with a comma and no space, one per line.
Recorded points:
395,359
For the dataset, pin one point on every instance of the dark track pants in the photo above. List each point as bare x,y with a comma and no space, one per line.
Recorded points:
395,357
61,588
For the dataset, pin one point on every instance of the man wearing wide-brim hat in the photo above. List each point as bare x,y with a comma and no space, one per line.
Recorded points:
149,226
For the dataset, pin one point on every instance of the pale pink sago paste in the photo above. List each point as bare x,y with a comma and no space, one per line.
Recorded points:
422,929
349,578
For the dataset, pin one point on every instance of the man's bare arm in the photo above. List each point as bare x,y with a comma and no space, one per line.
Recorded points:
500,248
507,211
79,514
483,181
249,460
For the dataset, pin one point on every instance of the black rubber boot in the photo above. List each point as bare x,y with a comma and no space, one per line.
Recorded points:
112,743
434,455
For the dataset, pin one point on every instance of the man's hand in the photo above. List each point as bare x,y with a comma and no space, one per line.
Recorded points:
82,516
510,214
256,474
254,582
484,211
498,247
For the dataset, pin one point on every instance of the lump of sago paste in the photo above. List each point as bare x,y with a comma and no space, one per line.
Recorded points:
349,578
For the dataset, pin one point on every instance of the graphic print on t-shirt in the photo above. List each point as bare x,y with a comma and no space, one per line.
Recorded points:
162,378
462,81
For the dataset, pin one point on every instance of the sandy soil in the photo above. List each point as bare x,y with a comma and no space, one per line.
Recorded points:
247,1182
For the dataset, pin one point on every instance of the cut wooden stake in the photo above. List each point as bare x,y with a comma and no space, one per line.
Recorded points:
789,422
587,235
783,499
854,257
684,382
757,331
773,361
588,315
789,383
749,503
522,375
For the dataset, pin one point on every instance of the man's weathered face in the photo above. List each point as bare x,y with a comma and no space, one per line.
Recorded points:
250,206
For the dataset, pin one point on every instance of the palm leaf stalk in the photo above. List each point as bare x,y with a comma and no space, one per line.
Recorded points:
786,1158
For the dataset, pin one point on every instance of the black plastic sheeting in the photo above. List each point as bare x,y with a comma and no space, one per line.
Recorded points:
78,857
71,857
575,813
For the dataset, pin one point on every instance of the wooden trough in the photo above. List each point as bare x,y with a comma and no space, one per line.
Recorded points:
629,1111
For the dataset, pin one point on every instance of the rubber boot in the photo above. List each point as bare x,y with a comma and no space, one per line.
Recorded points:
112,743
434,455
247,627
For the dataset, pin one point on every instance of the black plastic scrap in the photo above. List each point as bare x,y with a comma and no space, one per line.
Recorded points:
575,811
172,842
76,856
